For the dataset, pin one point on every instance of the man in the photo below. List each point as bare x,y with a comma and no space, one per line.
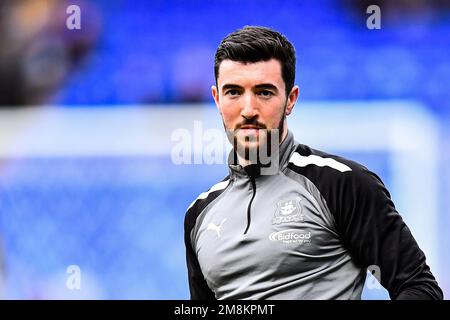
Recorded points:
310,228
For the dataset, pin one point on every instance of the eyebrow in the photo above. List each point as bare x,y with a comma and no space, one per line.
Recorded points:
267,86
258,86
230,86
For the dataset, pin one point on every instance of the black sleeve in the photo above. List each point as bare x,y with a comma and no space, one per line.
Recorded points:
375,234
197,284
198,287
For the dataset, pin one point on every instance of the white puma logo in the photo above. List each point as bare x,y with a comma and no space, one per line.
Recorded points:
212,226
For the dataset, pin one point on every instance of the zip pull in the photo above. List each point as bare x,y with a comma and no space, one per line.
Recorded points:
253,171
249,207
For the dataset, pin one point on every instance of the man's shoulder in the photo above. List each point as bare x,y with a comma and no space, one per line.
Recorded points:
329,169
205,198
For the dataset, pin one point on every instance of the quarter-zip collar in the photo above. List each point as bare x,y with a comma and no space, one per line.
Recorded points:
253,170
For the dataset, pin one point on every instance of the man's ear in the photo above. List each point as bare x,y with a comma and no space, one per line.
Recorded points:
292,99
215,94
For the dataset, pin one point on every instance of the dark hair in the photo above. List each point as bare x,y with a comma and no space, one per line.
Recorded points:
253,44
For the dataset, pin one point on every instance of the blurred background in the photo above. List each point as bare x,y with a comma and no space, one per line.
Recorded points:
87,117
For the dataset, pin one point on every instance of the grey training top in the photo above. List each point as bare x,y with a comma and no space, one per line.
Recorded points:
307,232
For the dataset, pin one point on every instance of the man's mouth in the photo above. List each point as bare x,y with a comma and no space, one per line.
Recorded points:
249,129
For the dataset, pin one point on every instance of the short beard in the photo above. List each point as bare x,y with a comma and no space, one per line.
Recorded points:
249,153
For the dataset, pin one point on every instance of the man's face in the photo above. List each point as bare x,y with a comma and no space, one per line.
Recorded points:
251,97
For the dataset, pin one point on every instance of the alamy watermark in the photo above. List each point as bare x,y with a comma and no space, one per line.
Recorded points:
374,20
73,281
73,21
373,279
212,146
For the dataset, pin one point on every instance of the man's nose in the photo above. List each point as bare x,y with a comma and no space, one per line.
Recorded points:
249,109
